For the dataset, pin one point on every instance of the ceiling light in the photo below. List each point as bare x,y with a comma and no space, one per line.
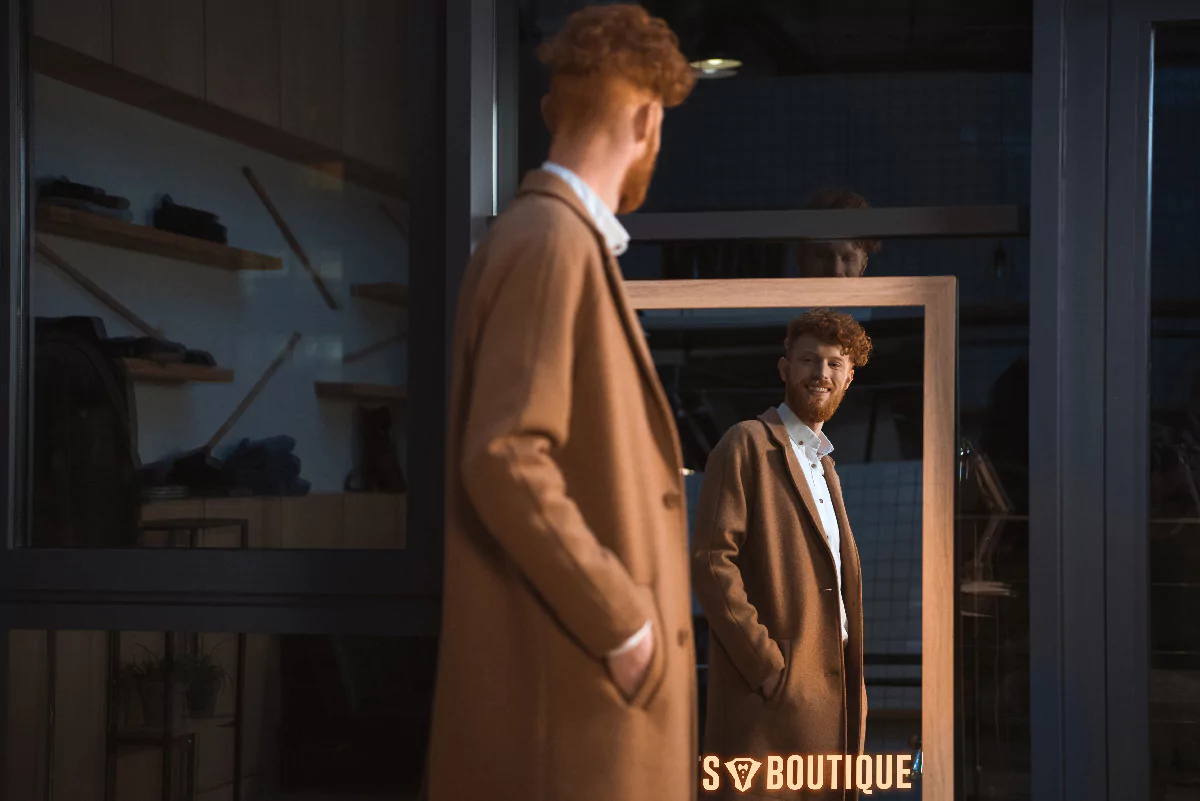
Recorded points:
716,67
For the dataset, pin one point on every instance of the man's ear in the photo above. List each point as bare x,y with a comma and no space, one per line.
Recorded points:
546,111
783,369
646,119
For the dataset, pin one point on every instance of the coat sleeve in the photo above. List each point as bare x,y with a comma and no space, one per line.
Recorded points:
722,522
518,417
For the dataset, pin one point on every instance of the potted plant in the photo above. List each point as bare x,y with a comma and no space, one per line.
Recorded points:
203,677
149,679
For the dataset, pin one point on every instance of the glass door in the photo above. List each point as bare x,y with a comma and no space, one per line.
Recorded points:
1153,403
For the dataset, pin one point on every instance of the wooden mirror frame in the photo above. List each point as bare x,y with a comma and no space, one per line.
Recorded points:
937,297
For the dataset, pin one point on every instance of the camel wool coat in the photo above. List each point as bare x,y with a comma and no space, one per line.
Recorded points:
566,530
765,578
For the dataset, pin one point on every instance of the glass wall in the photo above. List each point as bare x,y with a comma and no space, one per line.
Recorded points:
220,285
923,109
1174,436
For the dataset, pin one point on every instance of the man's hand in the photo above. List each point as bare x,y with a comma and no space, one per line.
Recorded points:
771,685
628,670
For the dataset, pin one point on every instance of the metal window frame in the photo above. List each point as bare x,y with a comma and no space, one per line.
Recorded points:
1066,569
1127,347
1090,337
937,298
450,49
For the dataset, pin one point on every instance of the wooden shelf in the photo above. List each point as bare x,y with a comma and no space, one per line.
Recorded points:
388,292
339,390
91,74
142,238
176,372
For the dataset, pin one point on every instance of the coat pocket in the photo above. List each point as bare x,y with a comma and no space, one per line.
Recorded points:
776,698
656,671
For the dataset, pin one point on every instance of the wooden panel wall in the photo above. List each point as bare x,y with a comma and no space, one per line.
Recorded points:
241,57
162,41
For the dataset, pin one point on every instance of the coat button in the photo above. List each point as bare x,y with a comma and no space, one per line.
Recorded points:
683,637
671,500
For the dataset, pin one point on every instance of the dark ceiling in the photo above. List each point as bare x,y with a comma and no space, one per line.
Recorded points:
795,37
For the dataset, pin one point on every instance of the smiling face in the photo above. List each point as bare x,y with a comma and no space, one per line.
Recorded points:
815,375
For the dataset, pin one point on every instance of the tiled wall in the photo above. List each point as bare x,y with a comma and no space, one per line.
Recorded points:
883,501
898,139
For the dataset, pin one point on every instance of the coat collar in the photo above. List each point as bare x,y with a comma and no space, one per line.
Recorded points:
541,182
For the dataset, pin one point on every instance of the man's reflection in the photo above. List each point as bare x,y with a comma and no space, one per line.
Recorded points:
775,567
835,258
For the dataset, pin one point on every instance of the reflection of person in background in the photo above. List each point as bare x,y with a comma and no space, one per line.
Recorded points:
775,567
566,668
840,258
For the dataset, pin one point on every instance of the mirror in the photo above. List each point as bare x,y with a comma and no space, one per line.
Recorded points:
818,438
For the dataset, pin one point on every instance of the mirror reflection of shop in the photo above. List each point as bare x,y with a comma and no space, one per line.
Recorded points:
220,276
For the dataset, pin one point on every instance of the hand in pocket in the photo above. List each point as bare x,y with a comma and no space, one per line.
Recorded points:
771,685
628,669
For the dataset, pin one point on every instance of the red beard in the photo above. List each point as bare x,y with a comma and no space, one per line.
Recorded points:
637,183
811,409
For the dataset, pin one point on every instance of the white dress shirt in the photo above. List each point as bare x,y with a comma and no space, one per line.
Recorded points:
810,448
617,239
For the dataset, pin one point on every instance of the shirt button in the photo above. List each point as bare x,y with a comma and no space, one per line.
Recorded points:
670,500
683,637
820,500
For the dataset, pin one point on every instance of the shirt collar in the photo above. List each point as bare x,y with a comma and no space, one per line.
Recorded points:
615,235
802,435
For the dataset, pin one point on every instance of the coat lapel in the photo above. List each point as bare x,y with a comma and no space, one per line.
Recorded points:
851,566
641,351
778,431
542,182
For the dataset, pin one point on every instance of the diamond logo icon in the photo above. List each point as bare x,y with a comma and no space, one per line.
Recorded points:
742,770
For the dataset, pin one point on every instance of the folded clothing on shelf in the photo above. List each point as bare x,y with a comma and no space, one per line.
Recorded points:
65,193
170,216
156,350
265,467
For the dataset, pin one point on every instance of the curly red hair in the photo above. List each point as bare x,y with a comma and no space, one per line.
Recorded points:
603,50
832,328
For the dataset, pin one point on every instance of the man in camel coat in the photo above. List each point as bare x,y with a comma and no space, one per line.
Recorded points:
567,661
776,571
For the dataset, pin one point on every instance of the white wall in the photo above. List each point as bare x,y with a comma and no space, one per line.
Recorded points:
243,318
